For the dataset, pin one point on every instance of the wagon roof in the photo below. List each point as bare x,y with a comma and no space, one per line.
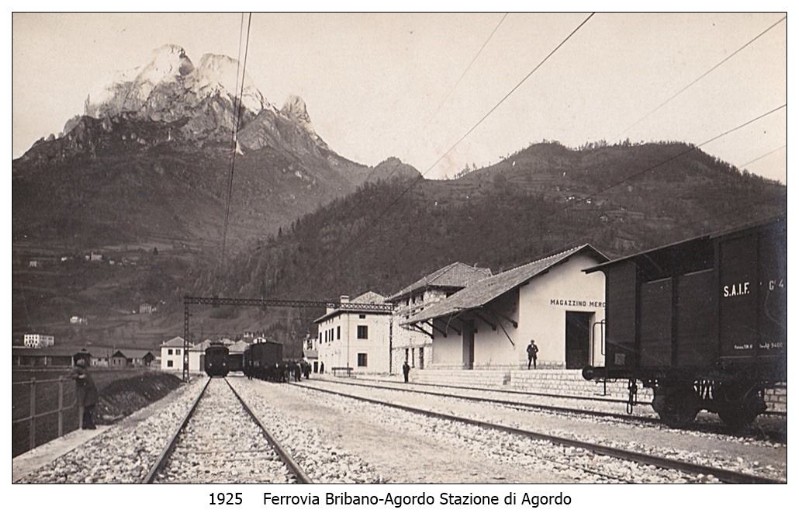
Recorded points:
689,243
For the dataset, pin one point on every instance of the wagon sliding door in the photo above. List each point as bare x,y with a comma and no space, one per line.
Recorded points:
696,327
656,313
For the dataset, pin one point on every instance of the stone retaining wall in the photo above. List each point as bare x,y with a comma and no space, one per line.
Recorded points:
557,382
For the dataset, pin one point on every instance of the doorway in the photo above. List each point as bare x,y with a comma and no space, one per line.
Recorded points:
578,339
468,345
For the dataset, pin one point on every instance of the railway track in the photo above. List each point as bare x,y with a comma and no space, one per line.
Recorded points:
722,475
220,440
775,436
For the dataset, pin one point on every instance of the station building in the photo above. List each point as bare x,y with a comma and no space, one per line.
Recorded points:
356,335
488,324
410,344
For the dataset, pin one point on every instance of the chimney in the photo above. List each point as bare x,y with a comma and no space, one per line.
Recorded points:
344,299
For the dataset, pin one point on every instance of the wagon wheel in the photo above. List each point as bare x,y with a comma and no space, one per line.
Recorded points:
677,407
737,418
741,406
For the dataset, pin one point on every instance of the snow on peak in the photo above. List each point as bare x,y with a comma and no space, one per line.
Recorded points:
294,108
167,64
217,74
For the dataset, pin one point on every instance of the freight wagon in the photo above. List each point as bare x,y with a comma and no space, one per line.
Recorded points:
702,322
269,360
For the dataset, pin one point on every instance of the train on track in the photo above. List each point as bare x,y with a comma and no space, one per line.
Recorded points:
702,322
263,359
217,360
269,360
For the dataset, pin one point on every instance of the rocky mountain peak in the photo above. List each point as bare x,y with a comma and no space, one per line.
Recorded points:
294,108
170,86
168,63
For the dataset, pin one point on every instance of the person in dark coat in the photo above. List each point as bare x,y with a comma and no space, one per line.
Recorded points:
532,354
321,368
86,393
406,370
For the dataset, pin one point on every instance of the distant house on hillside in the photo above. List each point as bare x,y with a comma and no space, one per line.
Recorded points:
95,256
413,345
38,341
146,308
78,320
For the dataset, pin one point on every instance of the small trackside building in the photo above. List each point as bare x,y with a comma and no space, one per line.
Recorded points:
356,334
410,344
488,324
172,356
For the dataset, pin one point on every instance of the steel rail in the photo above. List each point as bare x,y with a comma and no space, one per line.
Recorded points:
514,403
537,394
776,437
160,463
723,475
296,470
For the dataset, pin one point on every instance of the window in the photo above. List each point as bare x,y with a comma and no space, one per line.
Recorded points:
169,363
169,351
338,332
361,359
363,332
362,316
177,352
320,337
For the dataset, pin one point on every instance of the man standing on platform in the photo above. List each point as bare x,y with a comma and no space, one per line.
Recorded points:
406,369
532,354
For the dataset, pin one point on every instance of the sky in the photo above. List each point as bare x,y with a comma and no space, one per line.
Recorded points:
415,85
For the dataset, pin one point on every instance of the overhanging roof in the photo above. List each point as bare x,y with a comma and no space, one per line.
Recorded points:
482,292
456,275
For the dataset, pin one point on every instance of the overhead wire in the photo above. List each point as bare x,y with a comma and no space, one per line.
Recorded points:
235,136
465,71
349,245
750,162
448,94
708,72
640,173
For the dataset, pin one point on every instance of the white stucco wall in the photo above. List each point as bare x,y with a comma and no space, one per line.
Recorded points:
540,309
177,359
335,353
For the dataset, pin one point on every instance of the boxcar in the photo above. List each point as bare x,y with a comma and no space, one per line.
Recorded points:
702,322
267,360
216,360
